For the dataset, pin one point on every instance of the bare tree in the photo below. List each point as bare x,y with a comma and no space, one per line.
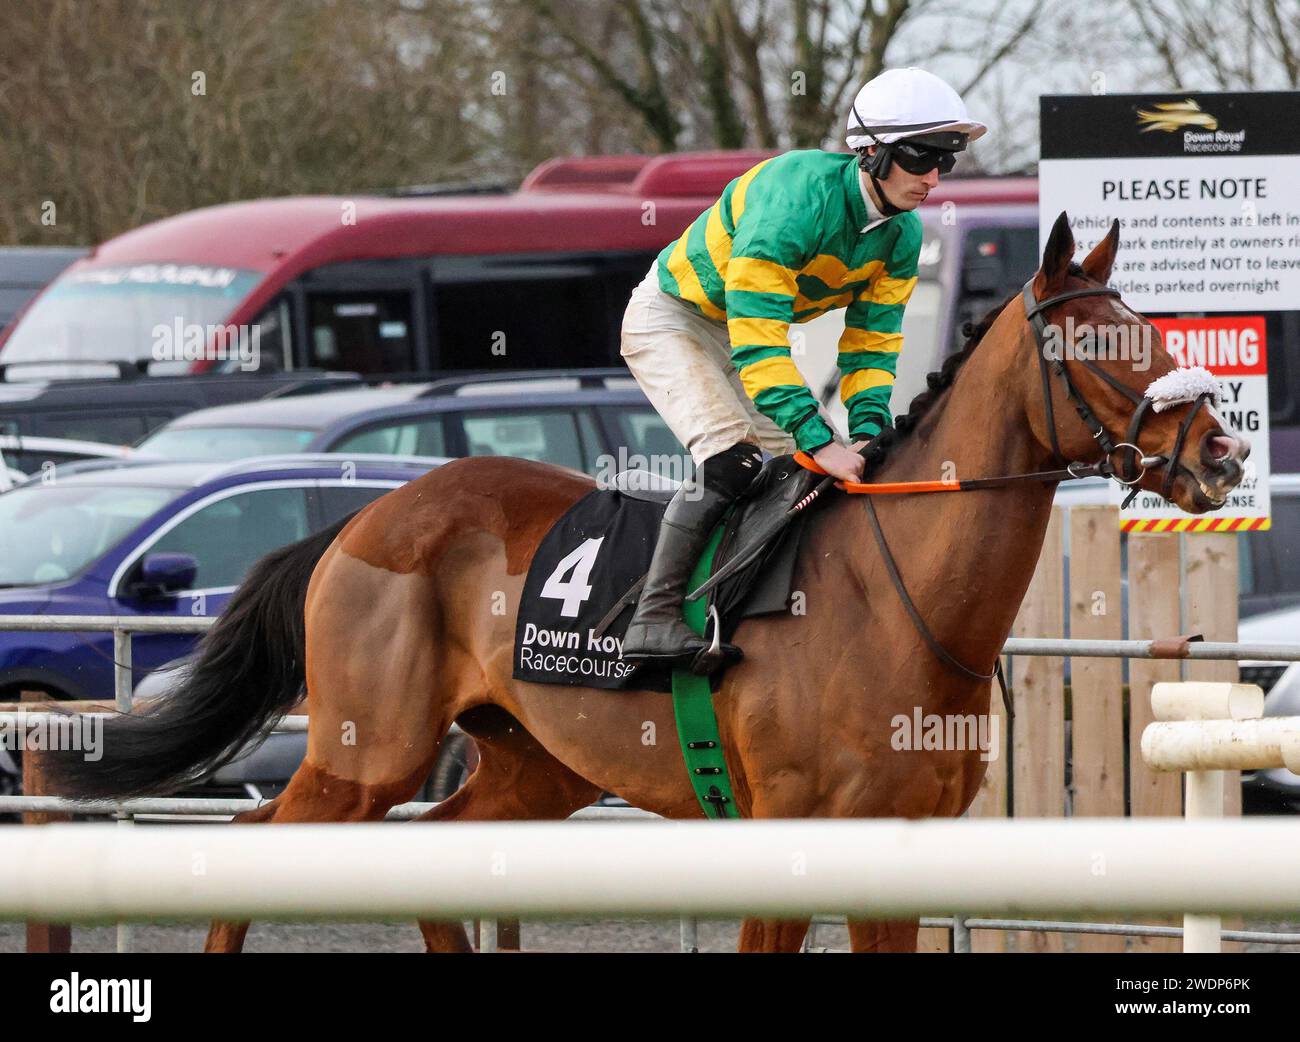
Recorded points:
1233,45
118,113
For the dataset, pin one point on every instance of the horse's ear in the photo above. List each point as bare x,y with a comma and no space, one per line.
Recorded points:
1056,259
1098,264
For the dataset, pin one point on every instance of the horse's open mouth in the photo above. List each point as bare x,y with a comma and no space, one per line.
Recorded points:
1204,498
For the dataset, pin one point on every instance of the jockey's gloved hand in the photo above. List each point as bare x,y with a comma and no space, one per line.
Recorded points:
840,461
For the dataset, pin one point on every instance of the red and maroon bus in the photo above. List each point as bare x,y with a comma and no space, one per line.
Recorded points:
533,278
389,284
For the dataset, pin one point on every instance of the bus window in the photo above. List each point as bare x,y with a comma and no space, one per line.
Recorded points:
531,313
361,332
1283,333
275,339
996,261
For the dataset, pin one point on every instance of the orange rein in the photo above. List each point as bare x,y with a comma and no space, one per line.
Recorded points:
882,488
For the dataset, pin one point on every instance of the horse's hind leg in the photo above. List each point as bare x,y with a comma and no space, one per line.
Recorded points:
887,935
516,780
377,695
317,795
224,936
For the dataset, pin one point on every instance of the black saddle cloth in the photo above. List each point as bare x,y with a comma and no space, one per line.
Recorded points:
584,579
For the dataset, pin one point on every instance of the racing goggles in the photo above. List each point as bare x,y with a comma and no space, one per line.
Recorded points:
921,159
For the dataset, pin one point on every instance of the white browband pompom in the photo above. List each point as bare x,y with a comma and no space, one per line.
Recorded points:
1183,385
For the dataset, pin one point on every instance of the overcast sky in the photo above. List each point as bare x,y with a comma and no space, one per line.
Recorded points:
1072,48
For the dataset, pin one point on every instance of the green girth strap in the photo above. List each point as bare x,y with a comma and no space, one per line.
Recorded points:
697,723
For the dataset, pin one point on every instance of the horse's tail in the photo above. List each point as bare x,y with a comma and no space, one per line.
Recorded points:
249,669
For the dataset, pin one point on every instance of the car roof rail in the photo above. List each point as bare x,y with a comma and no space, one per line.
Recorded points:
315,460
127,368
19,442
590,377
325,381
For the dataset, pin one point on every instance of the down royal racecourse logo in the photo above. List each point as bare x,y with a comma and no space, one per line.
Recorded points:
1199,128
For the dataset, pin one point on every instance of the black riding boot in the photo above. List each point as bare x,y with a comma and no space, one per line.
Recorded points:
657,630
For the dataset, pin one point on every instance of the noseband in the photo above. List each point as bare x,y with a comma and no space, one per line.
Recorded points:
1132,467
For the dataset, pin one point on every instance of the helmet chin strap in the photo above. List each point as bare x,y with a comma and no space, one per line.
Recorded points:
881,163
886,207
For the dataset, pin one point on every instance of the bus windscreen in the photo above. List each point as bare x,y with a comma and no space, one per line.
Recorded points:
150,312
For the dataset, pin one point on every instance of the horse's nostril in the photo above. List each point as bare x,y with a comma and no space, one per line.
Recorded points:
1219,447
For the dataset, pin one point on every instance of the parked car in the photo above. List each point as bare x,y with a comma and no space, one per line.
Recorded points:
572,418
37,455
167,539
1274,788
26,270
119,406
155,539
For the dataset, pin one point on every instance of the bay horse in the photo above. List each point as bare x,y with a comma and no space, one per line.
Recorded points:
402,620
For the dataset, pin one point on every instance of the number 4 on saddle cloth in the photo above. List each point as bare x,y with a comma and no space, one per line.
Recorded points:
586,576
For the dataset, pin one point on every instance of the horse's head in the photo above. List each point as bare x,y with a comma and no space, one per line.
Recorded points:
1099,361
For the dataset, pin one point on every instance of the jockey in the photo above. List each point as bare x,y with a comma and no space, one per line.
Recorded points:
706,334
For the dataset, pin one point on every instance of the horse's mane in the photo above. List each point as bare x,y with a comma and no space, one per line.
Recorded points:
936,383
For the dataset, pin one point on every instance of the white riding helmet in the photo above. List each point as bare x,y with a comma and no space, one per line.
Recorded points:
903,103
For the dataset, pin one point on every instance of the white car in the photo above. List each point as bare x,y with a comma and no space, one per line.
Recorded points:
32,455
1274,786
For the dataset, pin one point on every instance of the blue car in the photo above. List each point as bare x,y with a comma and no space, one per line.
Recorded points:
156,539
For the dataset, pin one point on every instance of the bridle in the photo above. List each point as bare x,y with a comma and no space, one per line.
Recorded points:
1133,467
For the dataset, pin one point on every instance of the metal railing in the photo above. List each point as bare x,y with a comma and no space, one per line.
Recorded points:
125,811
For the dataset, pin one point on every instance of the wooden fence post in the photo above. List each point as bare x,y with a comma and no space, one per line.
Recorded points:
1038,741
1154,583
41,937
1096,684
1210,600
991,801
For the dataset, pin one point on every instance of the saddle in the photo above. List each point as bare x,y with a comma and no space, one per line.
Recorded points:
587,574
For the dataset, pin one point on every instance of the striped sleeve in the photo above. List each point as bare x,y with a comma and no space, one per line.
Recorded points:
873,334
769,247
